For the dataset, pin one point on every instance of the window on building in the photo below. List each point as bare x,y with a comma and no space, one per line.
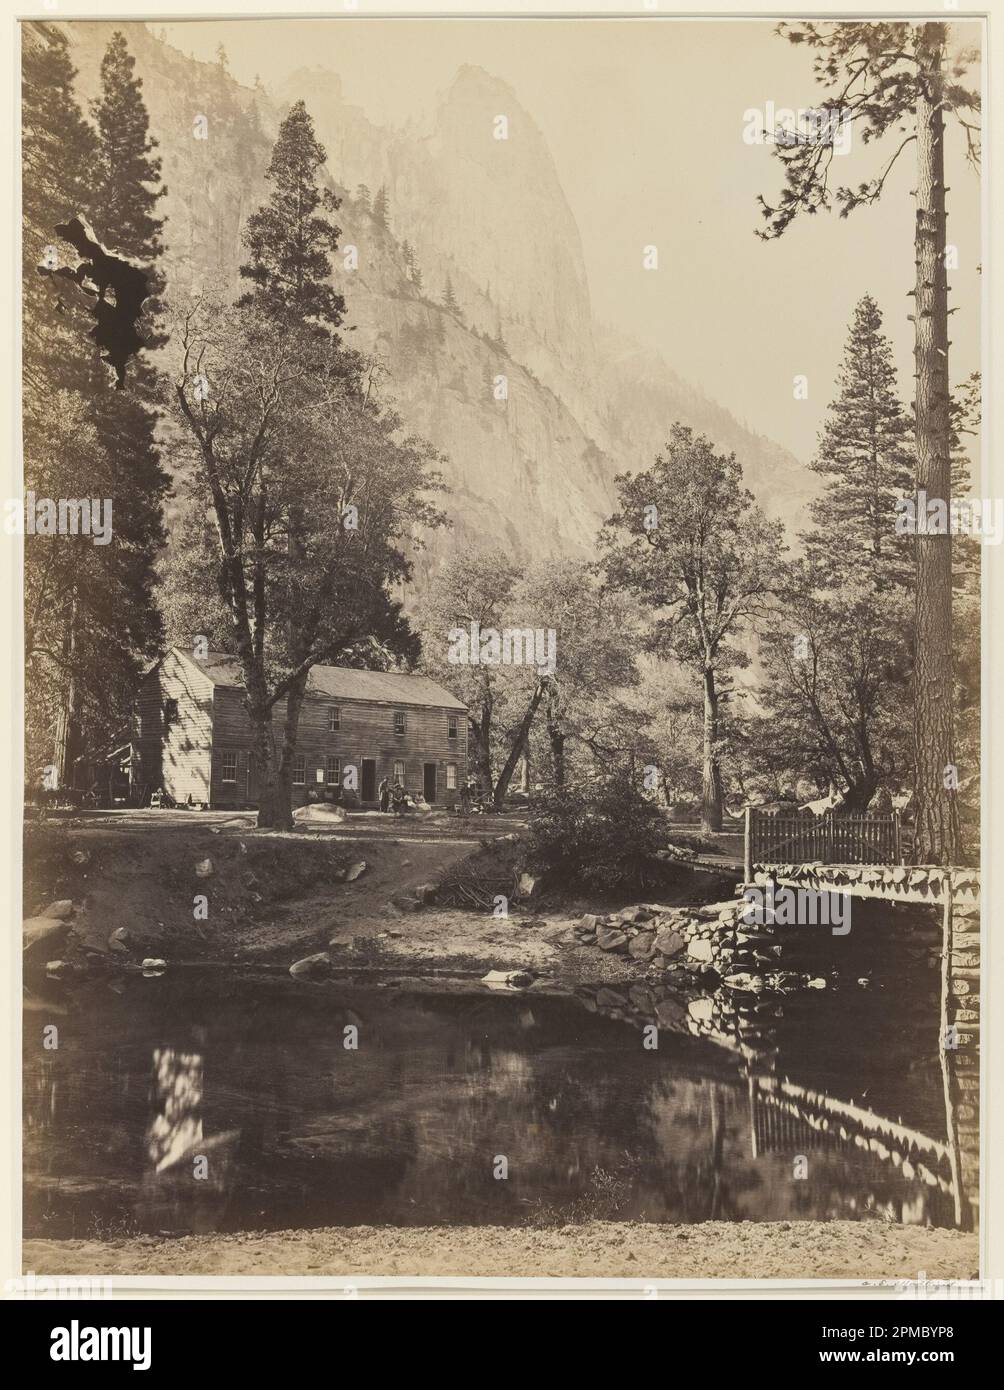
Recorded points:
334,720
170,712
451,726
451,777
229,767
333,773
299,770
399,721
399,771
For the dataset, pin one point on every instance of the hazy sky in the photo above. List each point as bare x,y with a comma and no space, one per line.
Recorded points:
644,119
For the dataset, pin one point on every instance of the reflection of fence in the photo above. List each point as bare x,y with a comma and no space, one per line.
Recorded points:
777,837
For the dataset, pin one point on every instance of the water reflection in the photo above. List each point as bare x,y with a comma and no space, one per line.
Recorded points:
242,1108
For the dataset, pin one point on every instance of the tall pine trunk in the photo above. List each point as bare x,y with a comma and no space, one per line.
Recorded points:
937,817
711,791
68,730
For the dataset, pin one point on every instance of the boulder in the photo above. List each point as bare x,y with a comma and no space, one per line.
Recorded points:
589,921
642,946
610,939
426,892
342,938
700,950
610,999
154,965
120,941
669,942
204,868
318,813
60,910
352,873
314,967
41,934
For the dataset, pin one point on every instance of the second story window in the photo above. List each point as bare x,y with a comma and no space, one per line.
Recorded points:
451,726
170,712
334,719
399,722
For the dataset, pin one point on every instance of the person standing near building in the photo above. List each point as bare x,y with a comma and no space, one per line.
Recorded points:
384,791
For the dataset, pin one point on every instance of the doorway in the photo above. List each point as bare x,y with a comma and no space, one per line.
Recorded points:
369,780
429,781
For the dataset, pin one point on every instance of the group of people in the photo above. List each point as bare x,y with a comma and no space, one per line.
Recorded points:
392,796
468,795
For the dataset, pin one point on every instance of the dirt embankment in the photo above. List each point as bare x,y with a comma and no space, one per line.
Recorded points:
275,898
597,1249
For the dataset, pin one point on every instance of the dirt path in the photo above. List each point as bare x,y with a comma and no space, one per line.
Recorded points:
712,1250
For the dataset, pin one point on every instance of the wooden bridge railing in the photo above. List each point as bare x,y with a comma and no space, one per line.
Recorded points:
782,837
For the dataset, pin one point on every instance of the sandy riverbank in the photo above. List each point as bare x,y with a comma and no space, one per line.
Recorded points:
596,1249
272,899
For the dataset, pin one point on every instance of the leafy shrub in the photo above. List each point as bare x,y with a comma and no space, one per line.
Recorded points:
599,836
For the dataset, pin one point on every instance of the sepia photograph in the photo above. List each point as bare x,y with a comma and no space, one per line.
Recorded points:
506,505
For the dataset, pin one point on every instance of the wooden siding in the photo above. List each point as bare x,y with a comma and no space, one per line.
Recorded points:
366,732
174,755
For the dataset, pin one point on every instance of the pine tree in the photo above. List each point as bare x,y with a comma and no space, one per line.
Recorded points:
127,187
866,457
90,613
58,151
381,207
130,188
290,239
363,196
449,298
892,78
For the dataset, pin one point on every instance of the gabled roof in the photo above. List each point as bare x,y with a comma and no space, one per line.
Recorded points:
341,683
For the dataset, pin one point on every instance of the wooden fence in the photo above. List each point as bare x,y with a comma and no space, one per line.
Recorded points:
778,837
